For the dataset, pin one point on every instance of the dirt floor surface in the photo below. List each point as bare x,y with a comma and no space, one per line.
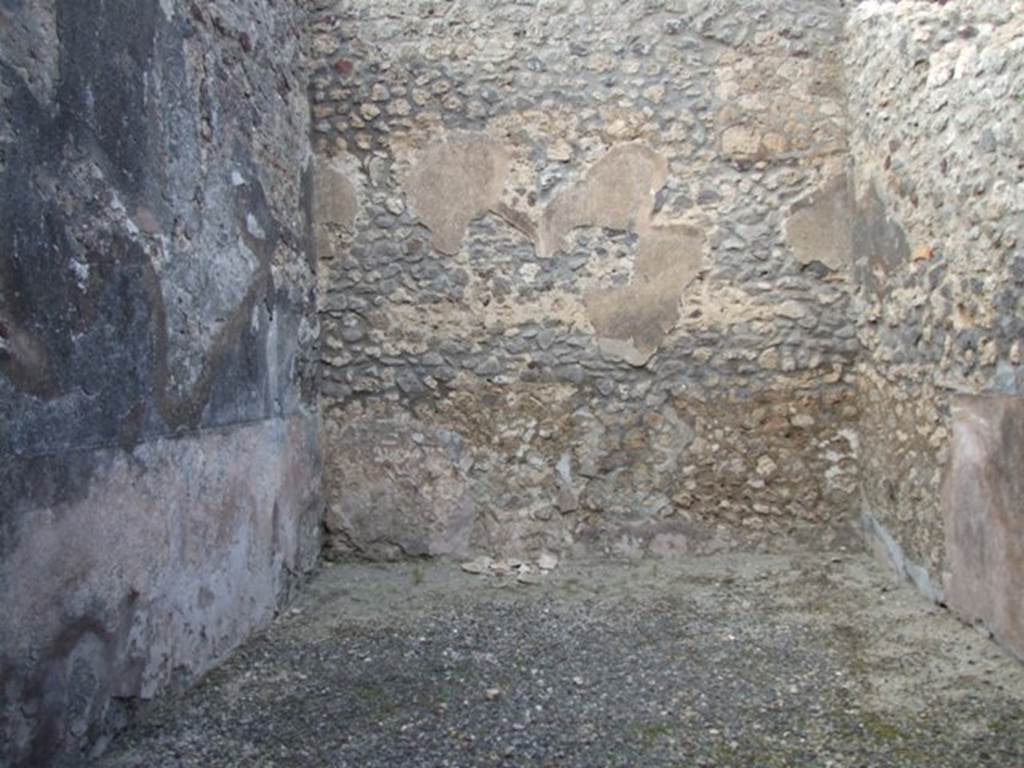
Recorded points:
796,660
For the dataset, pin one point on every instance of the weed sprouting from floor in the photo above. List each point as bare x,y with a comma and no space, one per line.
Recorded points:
880,729
651,733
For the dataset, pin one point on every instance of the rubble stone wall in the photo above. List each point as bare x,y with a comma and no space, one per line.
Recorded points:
159,464
560,277
936,99
586,266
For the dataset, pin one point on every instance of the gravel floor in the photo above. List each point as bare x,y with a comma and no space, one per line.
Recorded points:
803,660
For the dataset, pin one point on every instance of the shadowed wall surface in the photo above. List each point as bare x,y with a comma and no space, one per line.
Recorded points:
159,469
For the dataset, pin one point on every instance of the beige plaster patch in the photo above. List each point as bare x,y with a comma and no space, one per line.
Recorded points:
633,320
335,199
616,193
453,181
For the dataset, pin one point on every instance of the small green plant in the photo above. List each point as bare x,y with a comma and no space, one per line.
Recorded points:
417,575
652,732
880,729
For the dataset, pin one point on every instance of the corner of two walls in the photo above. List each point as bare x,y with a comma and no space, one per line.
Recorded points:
936,104
741,280
159,460
585,276
587,281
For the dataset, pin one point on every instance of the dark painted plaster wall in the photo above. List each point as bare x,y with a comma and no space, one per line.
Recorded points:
159,471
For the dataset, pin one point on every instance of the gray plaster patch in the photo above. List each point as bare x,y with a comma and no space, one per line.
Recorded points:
889,550
820,228
881,244
335,200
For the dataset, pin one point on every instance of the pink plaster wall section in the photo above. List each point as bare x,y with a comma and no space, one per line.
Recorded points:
984,510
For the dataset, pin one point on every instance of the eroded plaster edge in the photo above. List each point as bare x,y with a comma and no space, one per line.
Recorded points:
884,546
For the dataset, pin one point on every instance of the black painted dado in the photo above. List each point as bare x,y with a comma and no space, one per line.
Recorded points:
85,337
133,173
